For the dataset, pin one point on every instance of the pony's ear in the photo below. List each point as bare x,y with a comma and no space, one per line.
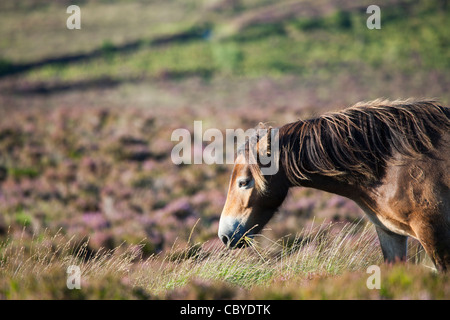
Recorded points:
261,127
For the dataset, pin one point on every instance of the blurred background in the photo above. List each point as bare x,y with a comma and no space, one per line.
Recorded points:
86,116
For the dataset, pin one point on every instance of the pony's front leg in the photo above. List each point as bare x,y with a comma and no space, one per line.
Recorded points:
393,246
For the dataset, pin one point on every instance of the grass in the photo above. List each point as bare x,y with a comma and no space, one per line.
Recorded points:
320,254
85,168
322,45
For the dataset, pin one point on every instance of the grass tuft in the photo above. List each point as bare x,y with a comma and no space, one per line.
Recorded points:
321,251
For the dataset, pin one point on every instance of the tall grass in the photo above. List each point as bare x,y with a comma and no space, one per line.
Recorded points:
320,249
37,268
21,258
326,249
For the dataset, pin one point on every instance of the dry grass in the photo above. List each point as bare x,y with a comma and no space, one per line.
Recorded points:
85,146
36,268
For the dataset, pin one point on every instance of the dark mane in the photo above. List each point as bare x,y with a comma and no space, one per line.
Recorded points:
357,143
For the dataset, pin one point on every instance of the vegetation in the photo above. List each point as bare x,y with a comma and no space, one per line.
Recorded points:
86,118
328,261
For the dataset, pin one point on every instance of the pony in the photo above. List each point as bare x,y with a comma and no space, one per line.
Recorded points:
390,157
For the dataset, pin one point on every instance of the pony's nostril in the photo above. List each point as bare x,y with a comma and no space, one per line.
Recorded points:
225,239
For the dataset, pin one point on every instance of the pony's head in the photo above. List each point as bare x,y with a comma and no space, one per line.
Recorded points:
254,193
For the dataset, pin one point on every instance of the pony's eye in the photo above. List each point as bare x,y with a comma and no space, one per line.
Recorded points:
245,183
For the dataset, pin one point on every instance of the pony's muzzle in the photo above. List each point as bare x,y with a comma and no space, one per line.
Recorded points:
233,243
231,232
225,239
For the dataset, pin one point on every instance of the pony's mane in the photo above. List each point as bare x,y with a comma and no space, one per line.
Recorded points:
355,144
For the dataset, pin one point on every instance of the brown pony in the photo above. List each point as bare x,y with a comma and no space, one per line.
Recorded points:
391,158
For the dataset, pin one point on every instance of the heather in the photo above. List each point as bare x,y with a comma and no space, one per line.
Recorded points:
86,118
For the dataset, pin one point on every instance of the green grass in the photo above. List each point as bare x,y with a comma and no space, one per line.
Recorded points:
319,255
64,164
19,173
40,31
326,45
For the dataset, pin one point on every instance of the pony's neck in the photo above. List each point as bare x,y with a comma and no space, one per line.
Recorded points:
332,185
293,166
